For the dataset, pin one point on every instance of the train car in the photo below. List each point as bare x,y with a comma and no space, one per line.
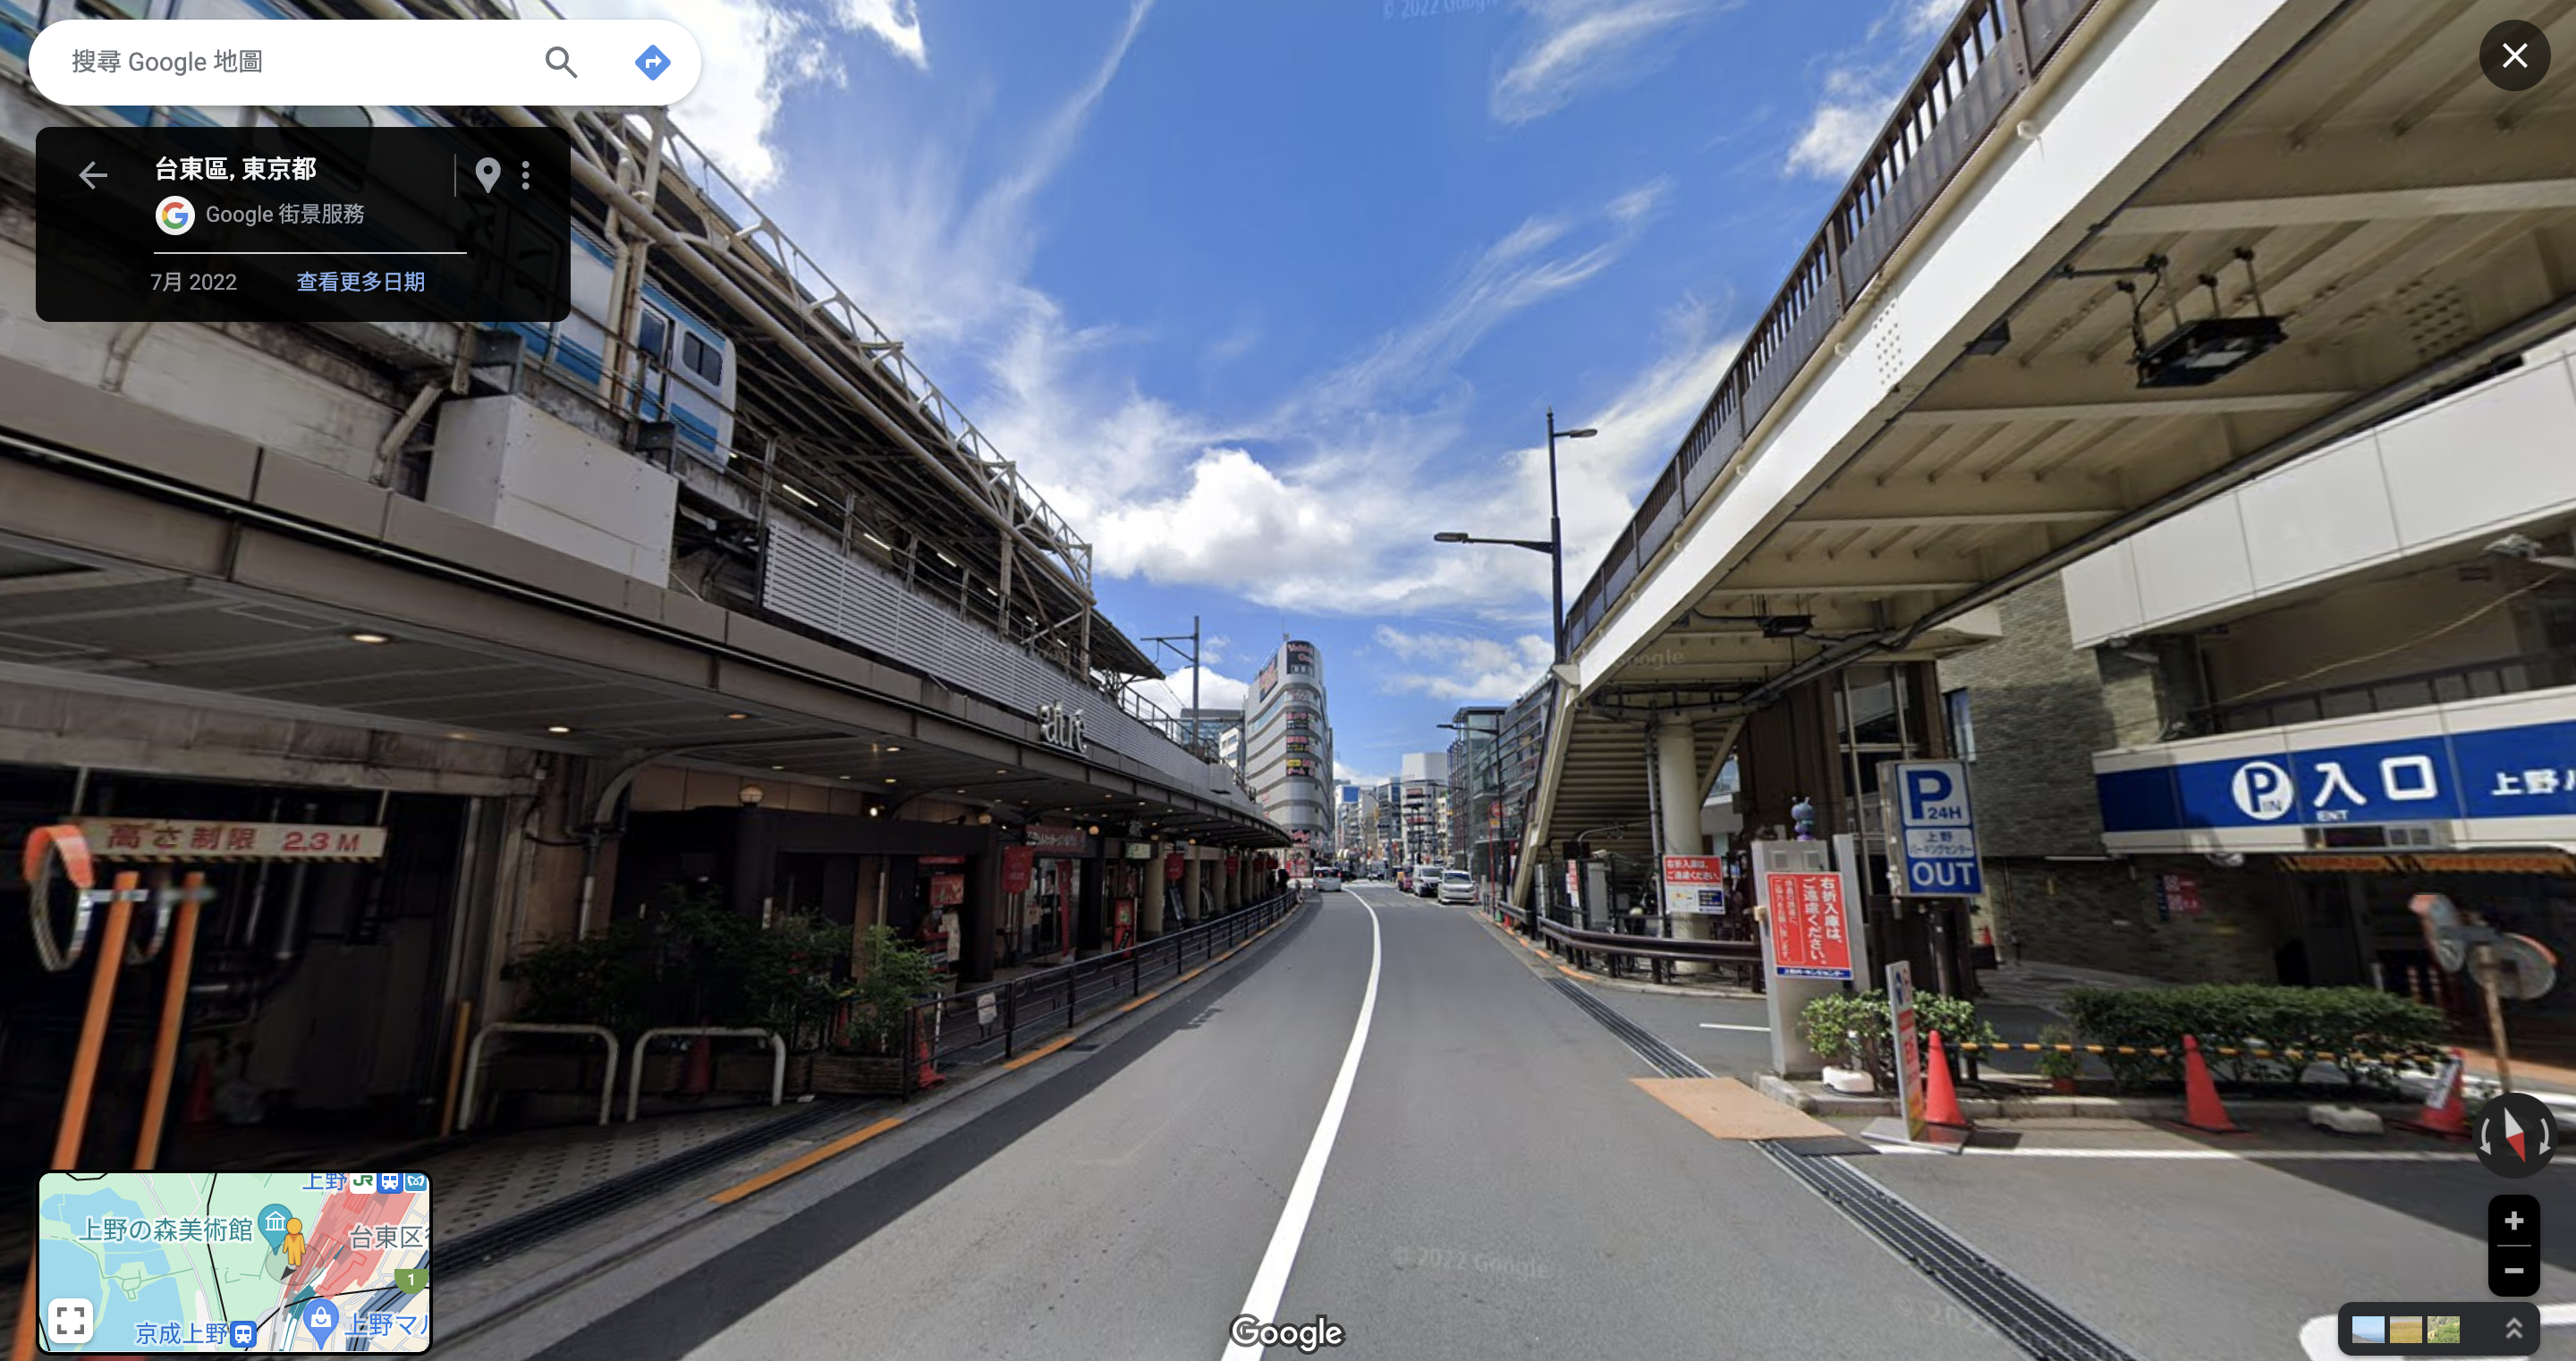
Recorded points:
682,370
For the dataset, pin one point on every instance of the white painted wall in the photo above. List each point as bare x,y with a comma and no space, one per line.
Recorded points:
504,463
199,374
2495,458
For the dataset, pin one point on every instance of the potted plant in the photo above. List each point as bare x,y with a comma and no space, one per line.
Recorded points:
867,1057
2060,1065
1850,1035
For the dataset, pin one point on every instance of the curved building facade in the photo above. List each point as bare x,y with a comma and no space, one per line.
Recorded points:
1288,747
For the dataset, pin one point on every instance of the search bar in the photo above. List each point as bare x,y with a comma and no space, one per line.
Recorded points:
614,62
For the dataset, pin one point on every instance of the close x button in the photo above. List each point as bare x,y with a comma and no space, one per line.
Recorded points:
2513,1245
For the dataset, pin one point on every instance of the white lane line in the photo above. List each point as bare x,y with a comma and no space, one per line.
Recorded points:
1271,1281
1722,1025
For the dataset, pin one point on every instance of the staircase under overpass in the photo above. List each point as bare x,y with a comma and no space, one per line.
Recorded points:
2106,261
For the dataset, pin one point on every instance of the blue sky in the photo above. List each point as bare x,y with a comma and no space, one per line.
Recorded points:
1261,293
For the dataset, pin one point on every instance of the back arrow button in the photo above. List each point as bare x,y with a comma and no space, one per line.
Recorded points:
90,175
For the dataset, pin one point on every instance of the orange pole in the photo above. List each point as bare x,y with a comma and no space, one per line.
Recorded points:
102,992
67,1138
174,1011
456,1064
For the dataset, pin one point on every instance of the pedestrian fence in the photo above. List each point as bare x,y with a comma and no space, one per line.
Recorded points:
2228,1051
997,1022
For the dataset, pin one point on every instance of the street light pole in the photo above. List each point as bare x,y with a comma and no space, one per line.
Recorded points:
1555,541
1554,547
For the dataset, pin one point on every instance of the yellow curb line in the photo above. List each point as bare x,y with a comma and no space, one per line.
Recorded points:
804,1161
1040,1052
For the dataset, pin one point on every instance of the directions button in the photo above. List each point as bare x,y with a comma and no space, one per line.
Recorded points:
652,63
2515,55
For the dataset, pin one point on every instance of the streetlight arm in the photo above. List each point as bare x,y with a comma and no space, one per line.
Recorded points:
1533,545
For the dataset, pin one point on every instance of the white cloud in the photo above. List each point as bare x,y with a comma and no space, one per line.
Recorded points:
1326,501
1861,89
1838,132
896,22
1922,18
1579,46
1172,692
757,52
1364,779
1458,667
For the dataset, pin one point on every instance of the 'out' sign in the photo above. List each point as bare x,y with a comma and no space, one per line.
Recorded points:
1933,831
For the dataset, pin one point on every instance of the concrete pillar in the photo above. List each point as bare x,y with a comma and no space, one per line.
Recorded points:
1190,885
1678,795
1088,908
981,911
1149,913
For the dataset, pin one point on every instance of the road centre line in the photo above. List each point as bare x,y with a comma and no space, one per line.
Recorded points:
1271,1281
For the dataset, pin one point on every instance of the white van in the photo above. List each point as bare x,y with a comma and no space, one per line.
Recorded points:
1457,887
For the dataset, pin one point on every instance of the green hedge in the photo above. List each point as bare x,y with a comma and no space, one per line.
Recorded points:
2357,1025
1828,1022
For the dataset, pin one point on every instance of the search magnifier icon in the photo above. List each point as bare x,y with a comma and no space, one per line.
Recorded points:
558,59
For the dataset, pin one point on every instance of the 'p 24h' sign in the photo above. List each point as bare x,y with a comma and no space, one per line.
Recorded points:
1932,830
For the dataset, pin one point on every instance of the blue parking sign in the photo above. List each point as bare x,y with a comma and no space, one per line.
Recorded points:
1932,830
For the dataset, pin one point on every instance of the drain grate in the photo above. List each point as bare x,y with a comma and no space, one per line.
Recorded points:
472,1252
2011,1307
2003,1300
1661,1057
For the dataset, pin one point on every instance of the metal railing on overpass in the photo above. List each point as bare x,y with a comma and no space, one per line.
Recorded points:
1988,56
998,1021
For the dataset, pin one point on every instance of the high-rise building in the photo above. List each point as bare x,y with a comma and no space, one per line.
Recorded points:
1475,805
1350,827
1288,746
1422,798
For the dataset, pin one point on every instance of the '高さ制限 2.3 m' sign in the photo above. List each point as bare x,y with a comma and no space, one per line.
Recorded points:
2483,775
1932,832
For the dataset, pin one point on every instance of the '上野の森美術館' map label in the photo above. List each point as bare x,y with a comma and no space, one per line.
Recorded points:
212,1262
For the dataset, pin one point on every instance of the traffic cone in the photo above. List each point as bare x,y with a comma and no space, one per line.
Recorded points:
2202,1109
197,1114
2446,1108
1940,1099
698,1076
924,1077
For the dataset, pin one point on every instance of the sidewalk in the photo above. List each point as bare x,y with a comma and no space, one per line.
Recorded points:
492,1181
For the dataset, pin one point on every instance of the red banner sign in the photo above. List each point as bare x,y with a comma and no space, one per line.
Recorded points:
1019,867
947,890
1810,937
1172,868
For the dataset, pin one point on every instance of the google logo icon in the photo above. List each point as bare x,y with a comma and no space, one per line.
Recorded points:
176,215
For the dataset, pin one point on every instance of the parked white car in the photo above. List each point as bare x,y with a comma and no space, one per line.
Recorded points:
1457,887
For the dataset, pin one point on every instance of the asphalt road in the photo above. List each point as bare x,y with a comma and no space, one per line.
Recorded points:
1481,1178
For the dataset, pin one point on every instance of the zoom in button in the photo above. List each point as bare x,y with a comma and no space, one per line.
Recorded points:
2513,1245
